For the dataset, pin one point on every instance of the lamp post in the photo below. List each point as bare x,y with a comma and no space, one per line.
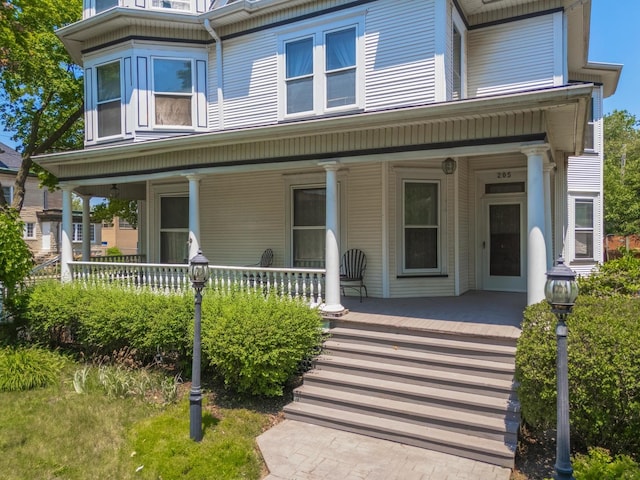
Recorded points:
561,291
198,274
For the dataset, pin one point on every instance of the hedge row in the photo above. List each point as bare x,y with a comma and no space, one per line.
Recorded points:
604,372
254,342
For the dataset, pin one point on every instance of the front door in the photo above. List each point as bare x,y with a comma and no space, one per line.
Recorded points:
503,244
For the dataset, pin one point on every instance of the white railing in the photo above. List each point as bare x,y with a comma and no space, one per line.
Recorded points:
304,283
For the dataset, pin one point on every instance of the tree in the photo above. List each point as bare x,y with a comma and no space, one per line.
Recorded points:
16,259
622,173
40,87
116,207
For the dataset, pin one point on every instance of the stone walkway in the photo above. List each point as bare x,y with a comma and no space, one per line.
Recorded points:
301,451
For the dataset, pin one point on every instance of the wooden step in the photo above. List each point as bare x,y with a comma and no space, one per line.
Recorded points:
465,422
464,346
437,361
491,451
456,401
417,375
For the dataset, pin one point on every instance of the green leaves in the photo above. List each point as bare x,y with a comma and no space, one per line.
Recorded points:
16,259
604,371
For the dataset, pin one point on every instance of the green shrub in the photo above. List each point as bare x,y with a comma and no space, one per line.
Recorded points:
255,342
113,251
604,372
598,465
27,368
102,320
620,276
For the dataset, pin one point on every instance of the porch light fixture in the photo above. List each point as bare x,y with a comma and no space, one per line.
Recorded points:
198,274
561,291
114,192
449,166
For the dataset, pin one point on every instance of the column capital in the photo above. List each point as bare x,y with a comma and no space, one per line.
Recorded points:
548,167
67,187
535,149
330,165
194,176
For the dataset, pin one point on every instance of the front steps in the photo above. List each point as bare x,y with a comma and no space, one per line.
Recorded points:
452,393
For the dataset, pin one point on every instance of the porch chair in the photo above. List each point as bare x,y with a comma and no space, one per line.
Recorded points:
352,268
266,260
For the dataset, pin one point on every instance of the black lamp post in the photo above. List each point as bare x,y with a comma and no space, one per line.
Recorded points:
561,291
198,274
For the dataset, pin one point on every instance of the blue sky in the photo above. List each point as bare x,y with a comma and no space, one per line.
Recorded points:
615,38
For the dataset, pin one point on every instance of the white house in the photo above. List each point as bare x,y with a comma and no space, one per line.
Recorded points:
312,127
457,143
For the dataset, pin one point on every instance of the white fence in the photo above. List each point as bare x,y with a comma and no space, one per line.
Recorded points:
304,283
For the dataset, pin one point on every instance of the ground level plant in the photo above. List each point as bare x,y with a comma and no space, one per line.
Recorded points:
56,432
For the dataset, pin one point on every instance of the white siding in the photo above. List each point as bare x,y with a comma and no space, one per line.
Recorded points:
400,68
250,86
585,173
513,56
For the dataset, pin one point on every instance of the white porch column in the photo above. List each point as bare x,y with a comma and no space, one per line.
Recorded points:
332,247
536,244
194,215
86,228
548,228
66,251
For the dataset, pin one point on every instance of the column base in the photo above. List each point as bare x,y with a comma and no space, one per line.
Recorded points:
333,311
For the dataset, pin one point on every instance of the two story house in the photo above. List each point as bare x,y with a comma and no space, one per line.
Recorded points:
456,142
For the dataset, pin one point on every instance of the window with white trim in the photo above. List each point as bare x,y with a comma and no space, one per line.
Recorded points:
420,226
8,193
184,5
321,70
173,94
109,99
589,133
174,229
583,230
102,5
308,226
77,233
29,230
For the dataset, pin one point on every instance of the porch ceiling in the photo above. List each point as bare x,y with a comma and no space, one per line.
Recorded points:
556,115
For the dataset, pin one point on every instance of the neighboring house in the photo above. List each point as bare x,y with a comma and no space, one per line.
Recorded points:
275,119
41,211
119,233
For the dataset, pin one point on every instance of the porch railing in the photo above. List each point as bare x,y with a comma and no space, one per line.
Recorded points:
133,258
303,283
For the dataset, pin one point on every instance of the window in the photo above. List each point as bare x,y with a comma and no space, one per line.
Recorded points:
174,229
29,230
420,226
589,138
173,92
457,64
8,193
584,229
102,5
308,226
321,71
124,225
172,4
77,233
109,99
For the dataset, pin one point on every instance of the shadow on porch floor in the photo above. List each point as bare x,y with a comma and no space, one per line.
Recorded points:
493,314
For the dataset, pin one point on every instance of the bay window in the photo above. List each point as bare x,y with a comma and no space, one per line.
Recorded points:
583,230
102,5
109,99
173,92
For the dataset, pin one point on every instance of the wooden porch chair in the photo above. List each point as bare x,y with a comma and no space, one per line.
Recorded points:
352,268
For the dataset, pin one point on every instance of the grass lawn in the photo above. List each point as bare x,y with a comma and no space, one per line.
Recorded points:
56,433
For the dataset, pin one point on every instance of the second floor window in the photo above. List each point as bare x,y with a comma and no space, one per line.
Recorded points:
109,100
102,5
173,92
321,71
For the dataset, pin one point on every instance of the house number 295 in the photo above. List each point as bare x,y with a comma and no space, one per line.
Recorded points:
504,174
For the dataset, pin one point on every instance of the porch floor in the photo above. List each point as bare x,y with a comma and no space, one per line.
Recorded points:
493,314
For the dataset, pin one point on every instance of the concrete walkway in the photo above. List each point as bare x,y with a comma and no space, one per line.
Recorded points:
301,451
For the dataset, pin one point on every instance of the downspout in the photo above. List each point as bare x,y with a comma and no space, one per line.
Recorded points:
219,70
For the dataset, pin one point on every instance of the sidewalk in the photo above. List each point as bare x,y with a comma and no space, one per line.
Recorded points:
301,451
